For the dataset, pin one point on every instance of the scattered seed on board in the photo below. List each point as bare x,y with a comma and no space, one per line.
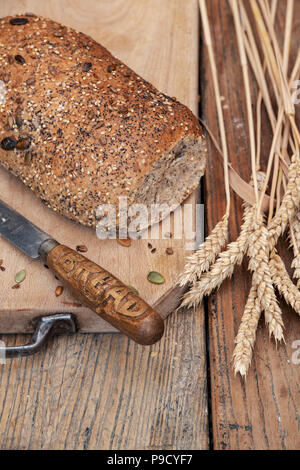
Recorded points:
153,250
150,246
134,289
20,276
169,251
124,241
81,248
2,268
16,286
59,290
155,277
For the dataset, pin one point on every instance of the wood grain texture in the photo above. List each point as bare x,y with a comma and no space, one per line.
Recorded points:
264,411
103,391
159,41
106,392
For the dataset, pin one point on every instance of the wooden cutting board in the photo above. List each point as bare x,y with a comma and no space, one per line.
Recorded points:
158,40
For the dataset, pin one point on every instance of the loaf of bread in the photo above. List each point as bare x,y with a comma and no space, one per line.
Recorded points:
80,128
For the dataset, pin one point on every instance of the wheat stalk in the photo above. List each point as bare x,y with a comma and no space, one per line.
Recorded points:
209,266
296,267
226,261
223,267
289,205
201,260
245,339
283,282
295,239
243,59
212,61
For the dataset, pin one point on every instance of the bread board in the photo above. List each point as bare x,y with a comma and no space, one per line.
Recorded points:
156,43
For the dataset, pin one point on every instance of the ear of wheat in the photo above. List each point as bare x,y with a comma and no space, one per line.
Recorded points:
295,242
275,197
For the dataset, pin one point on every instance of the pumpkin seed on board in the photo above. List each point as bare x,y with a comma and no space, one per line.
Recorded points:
155,277
20,276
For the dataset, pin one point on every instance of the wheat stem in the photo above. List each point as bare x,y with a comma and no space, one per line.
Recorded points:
212,61
243,60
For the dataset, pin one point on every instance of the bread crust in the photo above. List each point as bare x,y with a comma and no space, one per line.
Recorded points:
79,127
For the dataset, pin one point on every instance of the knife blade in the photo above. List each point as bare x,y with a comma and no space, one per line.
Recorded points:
91,284
20,232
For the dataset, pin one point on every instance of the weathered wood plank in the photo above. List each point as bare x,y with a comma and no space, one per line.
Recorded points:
105,392
264,411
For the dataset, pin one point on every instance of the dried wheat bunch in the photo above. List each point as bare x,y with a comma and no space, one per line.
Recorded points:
272,202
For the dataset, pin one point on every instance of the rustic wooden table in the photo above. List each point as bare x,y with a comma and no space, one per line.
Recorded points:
262,412
105,392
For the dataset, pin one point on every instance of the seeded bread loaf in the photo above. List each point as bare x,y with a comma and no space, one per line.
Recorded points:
79,128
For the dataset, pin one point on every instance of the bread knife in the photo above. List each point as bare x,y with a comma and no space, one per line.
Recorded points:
92,285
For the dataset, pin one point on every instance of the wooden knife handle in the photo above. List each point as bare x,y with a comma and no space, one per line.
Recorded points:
106,295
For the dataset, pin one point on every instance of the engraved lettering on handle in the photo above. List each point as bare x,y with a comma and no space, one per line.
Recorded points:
100,287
